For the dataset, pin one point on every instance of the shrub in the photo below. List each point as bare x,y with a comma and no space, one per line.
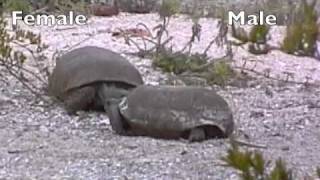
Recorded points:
252,165
302,33
178,63
258,34
169,8
257,38
184,62
17,5
220,73
14,60
197,65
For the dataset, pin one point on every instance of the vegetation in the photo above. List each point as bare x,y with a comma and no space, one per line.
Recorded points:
17,5
252,165
301,36
179,63
77,6
281,9
302,33
257,38
21,56
138,6
258,34
221,73
185,63
46,6
169,8
195,65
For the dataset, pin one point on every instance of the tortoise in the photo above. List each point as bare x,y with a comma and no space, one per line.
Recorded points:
90,77
169,112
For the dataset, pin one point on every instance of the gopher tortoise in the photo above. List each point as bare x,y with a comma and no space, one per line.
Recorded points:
90,77
170,112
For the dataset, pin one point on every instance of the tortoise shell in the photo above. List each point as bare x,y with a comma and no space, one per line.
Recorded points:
88,65
169,112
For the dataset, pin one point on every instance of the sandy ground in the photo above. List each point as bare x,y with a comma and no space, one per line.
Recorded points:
46,143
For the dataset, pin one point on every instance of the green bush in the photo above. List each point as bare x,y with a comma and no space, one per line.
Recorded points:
169,8
257,38
220,73
258,34
18,5
178,62
302,33
196,65
13,60
252,165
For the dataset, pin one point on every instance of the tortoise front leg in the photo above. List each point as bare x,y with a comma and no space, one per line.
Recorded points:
79,99
116,121
111,96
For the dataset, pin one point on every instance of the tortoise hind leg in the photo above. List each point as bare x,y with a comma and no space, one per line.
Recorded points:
197,134
79,99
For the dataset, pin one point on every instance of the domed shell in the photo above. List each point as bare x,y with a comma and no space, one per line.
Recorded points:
87,65
176,109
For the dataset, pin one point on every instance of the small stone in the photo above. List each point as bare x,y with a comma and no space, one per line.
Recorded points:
256,114
285,148
184,152
268,92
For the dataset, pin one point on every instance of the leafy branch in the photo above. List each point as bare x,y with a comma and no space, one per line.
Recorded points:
22,57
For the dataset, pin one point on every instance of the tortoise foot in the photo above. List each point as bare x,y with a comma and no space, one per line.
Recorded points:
70,111
197,134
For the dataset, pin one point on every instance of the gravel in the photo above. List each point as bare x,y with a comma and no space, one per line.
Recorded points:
45,143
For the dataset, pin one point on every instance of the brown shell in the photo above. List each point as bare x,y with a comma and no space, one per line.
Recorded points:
87,65
176,109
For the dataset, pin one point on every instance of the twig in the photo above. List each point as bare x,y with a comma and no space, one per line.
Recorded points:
80,42
41,79
66,28
146,28
25,70
243,143
4,79
26,150
26,85
276,79
205,52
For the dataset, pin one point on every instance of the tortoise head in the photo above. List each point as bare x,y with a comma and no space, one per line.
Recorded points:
110,94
